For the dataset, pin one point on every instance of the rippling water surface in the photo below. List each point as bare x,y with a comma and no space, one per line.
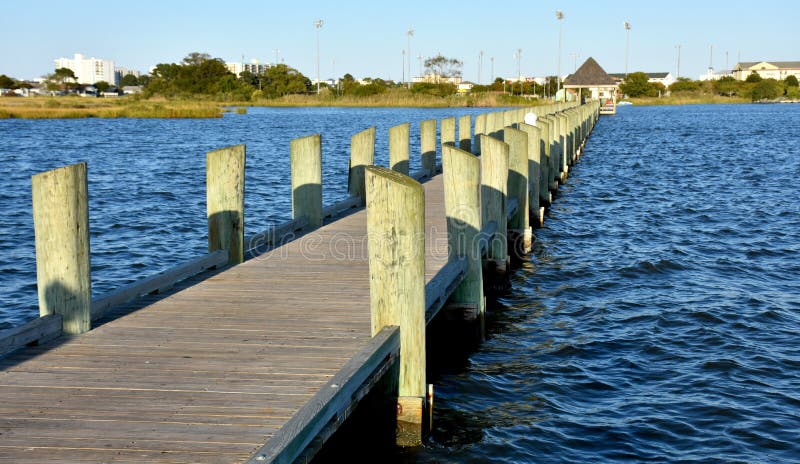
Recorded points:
658,318
656,321
147,207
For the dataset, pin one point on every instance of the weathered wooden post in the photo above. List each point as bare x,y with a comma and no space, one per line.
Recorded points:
534,172
61,233
399,147
494,188
545,146
462,198
427,144
225,201
519,230
465,133
480,129
362,154
448,131
306,160
396,247
563,167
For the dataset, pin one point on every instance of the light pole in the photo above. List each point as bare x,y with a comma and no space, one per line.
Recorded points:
276,54
419,62
559,17
491,76
410,34
519,70
678,71
318,25
480,66
627,45
574,62
404,67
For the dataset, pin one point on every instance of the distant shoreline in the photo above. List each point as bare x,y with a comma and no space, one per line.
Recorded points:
71,107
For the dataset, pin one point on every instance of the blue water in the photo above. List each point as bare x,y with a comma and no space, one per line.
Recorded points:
657,319
147,183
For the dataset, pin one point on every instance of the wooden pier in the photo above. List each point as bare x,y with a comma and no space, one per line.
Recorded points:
227,359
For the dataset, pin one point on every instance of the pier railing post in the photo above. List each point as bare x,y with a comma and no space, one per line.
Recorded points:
520,234
480,129
427,145
534,172
396,248
399,148
362,154
545,149
448,132
225,201
306,161
465,133
462,198
494,188
61,231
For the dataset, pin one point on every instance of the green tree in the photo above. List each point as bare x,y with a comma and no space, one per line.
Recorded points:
444,67
753,77
637,85
128,80
727,86
684,84
61,79
102,86
7,82
282,80
439,90
791,81
766,89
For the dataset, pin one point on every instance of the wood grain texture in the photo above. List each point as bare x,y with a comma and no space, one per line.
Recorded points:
465,133
61,231
225,201
306,168
399,147
494,188
427,141
362,154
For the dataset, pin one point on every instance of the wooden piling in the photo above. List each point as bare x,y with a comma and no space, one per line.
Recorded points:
520,234
465,133
225,201
427,143
534,172
480,129
544,149
362,154
462,198
396,247
494,189
399,148
61,232
448,131
306,169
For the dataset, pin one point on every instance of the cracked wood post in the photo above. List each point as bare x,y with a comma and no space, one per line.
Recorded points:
464,133
519,229
396,248
534,172
480,129
494,188
225,201
399,148
61,231
427,145
448,132
462,198
362,154
306,162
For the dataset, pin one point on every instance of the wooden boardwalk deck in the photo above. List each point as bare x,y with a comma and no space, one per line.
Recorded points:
206,373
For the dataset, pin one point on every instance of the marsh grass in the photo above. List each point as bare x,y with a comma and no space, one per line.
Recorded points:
123,107
686,98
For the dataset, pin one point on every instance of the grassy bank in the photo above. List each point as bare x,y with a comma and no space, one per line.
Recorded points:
686,99
123,107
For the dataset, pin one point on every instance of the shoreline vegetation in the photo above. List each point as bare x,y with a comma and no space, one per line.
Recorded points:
69,107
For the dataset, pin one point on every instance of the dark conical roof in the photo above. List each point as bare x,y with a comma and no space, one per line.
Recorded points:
590,74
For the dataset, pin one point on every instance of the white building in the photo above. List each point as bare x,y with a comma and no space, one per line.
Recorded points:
89,70
779,70
253,66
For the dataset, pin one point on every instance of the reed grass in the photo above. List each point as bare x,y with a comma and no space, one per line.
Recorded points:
124,107
686,99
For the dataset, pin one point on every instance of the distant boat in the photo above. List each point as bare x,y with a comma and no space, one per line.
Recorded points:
624,103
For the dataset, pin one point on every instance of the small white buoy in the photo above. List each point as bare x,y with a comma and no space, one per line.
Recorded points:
530,119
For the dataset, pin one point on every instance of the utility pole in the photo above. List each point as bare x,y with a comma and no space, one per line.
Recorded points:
318,25
559,17
678,73
627,45
419,64
480,66
410,34
491,76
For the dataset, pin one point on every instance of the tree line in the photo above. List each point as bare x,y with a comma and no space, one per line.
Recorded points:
754,87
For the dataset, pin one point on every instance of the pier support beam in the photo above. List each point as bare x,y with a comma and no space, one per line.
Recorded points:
519,231
465,133
427,145
536,213
399,140
61,231
396,247
545,146
306,160
362,154
462,198
225,201
494,189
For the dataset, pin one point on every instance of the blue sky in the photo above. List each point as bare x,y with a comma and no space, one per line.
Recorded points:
366,38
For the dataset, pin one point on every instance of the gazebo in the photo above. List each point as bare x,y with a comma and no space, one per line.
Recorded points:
600,85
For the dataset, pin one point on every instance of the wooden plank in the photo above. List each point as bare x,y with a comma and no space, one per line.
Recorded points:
300,430
439,289
157,283
38,330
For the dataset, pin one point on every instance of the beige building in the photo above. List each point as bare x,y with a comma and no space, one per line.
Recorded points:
89,70
432,78
779,70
